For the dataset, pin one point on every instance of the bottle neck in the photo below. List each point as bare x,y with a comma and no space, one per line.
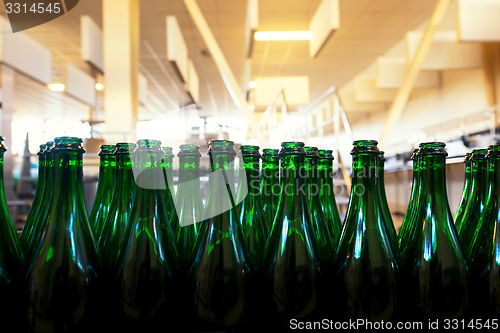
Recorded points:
124,176
494,179
2,190
107,165
479,174
325,173
270,175
189,168
381,178
364,174
250,166
68,174
149,170
221,181
433,179
294,173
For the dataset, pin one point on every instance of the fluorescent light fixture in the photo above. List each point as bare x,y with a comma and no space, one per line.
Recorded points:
252,84
99,86
56,87
251,107
283,35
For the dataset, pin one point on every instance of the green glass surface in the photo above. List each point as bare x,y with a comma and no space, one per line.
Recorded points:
189,205
34,233
410,211
483,244
222,279
292,263
466,191
477,200
384,206
324,239
167,164
434,272
367,270
327,195
36,209
116,229
270,187
146,273
12,264
63,283
251,214
104,192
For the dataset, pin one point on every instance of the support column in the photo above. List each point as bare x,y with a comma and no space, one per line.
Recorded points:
6,128
121,30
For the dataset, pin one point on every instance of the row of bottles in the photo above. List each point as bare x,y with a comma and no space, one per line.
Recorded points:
146,258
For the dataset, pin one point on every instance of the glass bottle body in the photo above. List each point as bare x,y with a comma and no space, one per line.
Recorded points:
466,190
367,270
270,184
293,272
222,279
104,195
410,211
384,206
63,282
434,272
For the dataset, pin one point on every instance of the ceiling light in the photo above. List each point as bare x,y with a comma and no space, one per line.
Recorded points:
252,84
99,86
251,107
283,35
56,87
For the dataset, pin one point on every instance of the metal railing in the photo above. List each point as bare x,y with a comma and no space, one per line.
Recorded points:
269,119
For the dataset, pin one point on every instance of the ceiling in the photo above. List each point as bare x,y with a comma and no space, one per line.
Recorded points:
368,28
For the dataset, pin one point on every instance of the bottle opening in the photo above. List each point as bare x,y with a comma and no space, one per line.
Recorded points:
107,150
124,148
364,146
148,143
478,154
68,143
493,151
311,152
433,148
250,151
189,150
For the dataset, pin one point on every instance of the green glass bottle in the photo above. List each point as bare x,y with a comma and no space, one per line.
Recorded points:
116,229
384,206
222,279
367,270
293,272
477,200
105,185
34,234
250,210
12,264
169,192
270,185
189,205
466,191
483,241
327,195
63,283
490,218
146,273
414,197
36,209
324,239
434,272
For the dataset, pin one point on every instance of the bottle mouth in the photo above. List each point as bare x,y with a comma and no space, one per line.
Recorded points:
269,152
325,154
493,151
168,151
43,147
107,150
124,148
221,147
148,146
311,152
250,151
467,157
415,153
189,150
292,148
479,154
3,148
381,156
433,148
49,146
364,146
68,143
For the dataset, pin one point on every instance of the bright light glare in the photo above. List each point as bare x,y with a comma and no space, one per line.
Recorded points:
56,87
283,35
251,107
252,84
99,86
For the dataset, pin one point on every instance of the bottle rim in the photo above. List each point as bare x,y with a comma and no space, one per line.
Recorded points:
189,150
364,146
326,154
107,150
493,151
124,148
479,154
311,152
68,143
433,148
